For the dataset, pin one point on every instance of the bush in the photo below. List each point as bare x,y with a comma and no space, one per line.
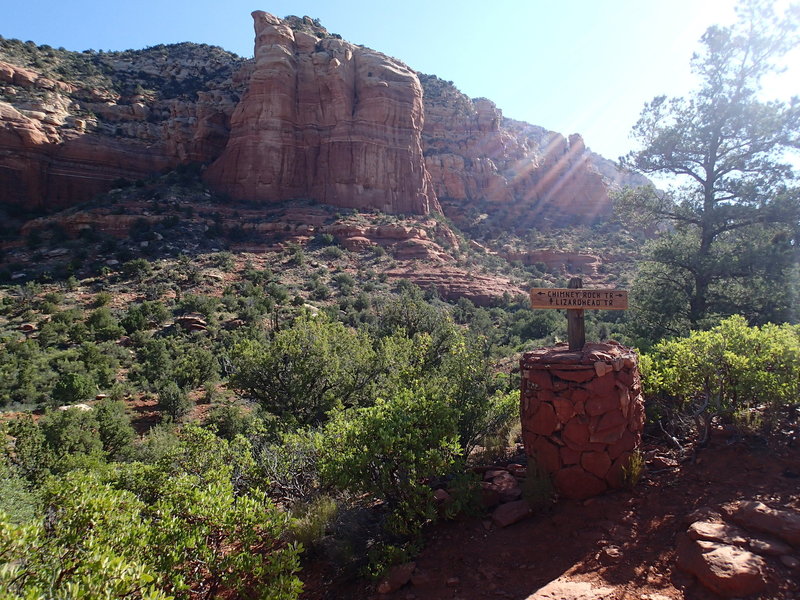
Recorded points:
71,432
306,370
74,387
230,420
288,467
388,449
103,325
732,371
332,252
133,533
173,400
114,428
138,268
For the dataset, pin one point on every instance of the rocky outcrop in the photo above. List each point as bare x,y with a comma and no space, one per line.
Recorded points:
526,175
558,260
312,116
328,120
62,143
452,283
730,551
582,415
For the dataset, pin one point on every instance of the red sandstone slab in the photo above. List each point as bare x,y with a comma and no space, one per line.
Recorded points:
579,395
570,456
610,420
601,403
546,455
602,385
565,409
626,443
510,513
544,422
541,378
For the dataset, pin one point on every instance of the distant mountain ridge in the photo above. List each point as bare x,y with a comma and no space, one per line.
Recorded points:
311,116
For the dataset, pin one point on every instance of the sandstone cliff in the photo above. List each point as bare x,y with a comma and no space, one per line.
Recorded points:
312,116
523,175
328,120
75,122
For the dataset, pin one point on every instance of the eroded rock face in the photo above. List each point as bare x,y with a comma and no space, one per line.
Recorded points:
327,120
312,116
61,144
527,175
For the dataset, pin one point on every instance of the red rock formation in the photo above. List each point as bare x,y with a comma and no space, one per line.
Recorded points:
318,118
558,260
61,145
328,120
527,175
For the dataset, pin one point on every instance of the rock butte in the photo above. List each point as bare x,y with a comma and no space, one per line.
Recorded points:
312,116
326,119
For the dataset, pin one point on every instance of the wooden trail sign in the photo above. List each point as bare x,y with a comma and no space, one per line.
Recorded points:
579,298
576,299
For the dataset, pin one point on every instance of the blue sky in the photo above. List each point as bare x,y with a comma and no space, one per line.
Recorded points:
584,66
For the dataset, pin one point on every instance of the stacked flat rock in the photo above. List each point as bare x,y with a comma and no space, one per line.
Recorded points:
582,414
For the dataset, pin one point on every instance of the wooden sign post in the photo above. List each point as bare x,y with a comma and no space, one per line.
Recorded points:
575,299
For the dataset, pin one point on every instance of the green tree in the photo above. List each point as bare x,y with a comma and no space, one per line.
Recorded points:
73,387
173,400
114,427
735,198
306,370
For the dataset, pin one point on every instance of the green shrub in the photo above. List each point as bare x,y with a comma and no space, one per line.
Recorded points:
310,520
306,370
222,260
132,532
173,400
230,420
114,428
288,467
388,449
74,387
144,315
194,366
103,325
728,371
28,454
332,252
138,268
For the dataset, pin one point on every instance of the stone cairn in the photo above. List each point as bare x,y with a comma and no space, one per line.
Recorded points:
582,415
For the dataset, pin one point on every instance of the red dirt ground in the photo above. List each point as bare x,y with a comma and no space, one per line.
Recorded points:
466,560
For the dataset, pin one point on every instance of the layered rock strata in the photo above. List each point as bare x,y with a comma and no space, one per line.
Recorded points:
733,551
62,143
312,116
524,174
582,415
328,120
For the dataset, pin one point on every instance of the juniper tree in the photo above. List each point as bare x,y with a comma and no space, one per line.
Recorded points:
731,217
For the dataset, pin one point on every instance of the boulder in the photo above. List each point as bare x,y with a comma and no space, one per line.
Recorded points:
784,524
511,512
565,589
726,570
396,578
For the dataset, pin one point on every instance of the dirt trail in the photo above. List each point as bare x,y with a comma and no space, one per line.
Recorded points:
624,540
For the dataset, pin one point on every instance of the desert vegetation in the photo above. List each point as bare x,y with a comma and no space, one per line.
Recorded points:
204,398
